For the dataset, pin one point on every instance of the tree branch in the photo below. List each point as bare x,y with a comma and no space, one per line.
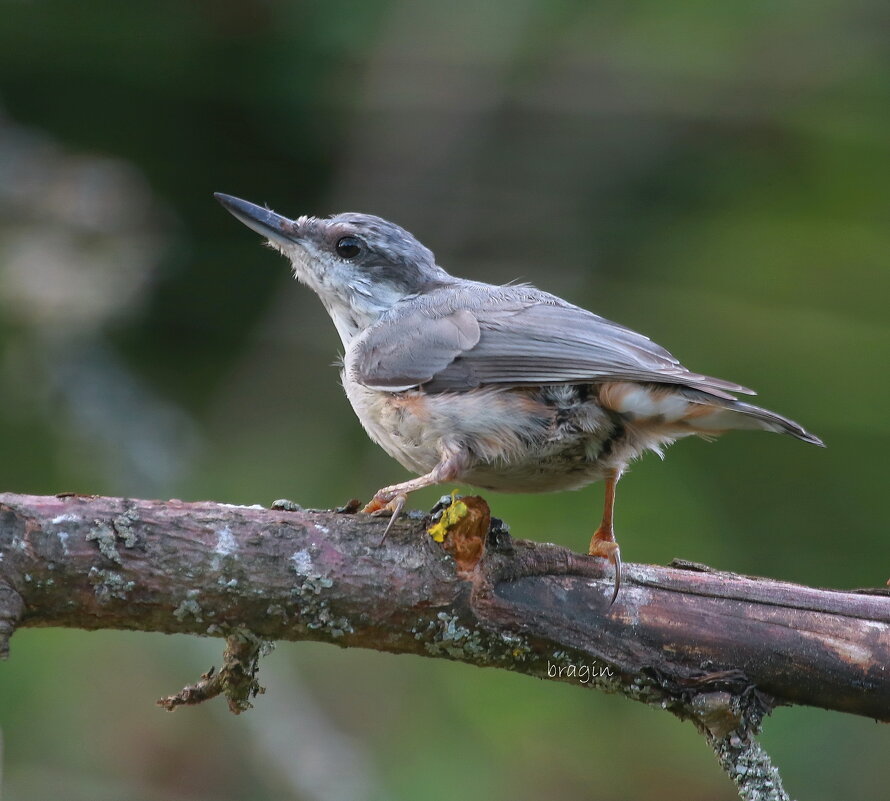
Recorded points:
718,648
748,765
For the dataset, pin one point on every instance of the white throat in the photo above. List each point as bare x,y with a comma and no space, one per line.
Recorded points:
351,300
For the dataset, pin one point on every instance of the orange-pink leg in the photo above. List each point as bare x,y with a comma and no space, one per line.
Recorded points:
603,542
392,499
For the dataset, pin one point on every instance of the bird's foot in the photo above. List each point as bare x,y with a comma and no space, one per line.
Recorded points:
375,505
384,504
603,544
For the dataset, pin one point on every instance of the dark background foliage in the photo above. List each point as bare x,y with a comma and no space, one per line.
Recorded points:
713,175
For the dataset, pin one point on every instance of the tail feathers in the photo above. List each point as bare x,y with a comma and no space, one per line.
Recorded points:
738,414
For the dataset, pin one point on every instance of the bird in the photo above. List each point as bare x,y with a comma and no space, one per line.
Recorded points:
502,387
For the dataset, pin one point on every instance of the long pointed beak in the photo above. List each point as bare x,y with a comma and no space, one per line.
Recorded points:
265,222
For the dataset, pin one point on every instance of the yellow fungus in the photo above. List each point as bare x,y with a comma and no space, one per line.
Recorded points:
450,516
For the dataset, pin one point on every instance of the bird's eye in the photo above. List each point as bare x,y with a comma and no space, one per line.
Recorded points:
348,247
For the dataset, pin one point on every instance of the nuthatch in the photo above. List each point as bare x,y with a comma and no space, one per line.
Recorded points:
506,388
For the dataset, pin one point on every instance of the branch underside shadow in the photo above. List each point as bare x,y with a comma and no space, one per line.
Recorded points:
717,648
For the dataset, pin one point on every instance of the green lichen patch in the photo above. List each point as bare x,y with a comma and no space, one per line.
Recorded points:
284,505
108,584
108,536
448,636
123,527
189,606
314,609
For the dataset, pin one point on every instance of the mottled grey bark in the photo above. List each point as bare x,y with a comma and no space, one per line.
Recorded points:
718,648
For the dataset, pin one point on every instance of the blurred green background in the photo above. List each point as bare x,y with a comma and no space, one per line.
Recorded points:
714,175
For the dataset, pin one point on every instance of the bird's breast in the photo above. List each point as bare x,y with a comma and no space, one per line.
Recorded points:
535,439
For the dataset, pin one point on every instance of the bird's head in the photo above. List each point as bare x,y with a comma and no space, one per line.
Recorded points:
358,264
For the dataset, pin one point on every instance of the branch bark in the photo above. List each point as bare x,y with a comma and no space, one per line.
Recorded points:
718,648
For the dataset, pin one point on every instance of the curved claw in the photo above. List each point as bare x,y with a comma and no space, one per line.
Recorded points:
606,548
616,561
395,506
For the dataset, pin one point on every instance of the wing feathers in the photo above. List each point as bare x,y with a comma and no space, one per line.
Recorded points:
510,335
410,352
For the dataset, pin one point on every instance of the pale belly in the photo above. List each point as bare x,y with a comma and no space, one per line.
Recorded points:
516,440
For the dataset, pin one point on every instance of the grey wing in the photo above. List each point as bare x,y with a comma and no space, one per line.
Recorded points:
413,348
518,343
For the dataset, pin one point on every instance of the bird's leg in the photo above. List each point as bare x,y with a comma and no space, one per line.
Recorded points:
392,499
603,542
